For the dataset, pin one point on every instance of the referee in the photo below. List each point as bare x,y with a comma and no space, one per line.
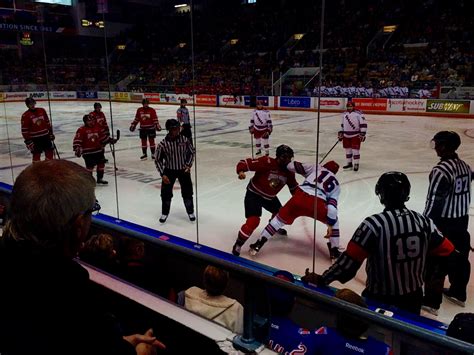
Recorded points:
395,243
447,204
173,159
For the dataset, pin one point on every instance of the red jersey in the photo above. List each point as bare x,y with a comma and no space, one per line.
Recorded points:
147,118
269,177
35,123
89,139
101,121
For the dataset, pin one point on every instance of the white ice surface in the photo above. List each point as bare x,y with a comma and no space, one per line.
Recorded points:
393,143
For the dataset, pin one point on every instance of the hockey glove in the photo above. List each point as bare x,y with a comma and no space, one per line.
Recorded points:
52,137
158,127
312,279
251,130
241,175
362,137
340,135
30,145
113,140
132,128
266,135
78,152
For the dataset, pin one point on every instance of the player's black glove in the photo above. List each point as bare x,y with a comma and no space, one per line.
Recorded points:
313,279
30,145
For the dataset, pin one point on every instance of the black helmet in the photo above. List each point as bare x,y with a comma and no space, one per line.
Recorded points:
97,104
393,189
29,101
87,118
449,139
145,101
184,101
284,149
171,123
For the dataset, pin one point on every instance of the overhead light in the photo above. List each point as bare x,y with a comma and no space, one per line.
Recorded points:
121,47
180,5
298,36
234,41
389,29
99,24
182,45
86,23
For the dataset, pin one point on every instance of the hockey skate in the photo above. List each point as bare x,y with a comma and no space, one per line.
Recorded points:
334,252
144,157
348,166
282,231
192,217
255,247
236,249
163,218
102,182
356,167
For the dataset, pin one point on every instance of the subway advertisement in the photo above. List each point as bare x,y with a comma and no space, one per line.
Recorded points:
448,106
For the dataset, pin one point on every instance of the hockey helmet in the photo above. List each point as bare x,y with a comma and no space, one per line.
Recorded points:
284,149
332,166
145,101
393,188
171,123
183,101
30,101
350,104
97,105
88,118
449,139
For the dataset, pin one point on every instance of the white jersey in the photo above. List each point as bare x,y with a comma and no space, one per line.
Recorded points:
353,124
325,187
424,94
261,120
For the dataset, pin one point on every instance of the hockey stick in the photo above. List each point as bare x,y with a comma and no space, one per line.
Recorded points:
112,149
251,143
330,150
56,150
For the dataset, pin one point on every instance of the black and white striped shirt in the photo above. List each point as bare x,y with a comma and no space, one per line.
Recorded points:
176,154
449,193
395,243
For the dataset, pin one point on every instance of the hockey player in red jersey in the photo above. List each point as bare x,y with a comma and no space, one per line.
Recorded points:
149,124
89,143
352,133
270,177
261,128
37,131
100,118
320,189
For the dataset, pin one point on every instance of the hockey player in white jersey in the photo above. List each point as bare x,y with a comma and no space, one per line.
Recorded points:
352,133
261,128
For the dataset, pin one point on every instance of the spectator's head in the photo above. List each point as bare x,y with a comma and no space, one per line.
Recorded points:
348,325
97,106
215,280
393,189
133,250
284,154
332,166
99,250
281,300
51,207
462,327
445,143
30,103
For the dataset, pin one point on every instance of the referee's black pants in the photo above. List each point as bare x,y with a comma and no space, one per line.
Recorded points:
186,190
459,272
410,302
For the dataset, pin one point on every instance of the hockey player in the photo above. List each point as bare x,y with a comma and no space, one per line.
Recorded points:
261,128
100,118
89,143
354,129
271,175
149,124
320,189
182,115
37,131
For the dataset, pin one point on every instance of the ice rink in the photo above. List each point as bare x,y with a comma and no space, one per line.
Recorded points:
393,143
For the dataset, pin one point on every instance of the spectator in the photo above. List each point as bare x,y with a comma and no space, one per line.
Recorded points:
211,303
99,251
50,297
462,327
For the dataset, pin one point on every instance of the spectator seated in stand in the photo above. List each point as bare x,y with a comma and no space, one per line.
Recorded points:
51,306
210,301
100,252
462,327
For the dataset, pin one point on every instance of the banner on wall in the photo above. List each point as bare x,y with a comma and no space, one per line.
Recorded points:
331,103
87,95
188,98
63,95
232,100
136,97
153,97
206,100
448,106
370,104
15,96
38,95
121,96
103,95
406,105
295,102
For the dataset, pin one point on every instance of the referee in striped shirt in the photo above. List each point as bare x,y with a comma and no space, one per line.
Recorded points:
447,204
395,243
173,159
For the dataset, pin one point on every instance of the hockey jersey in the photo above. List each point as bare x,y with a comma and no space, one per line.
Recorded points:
101,121
35,123
353,124
147,118
89,140
183,115
261,120
269,177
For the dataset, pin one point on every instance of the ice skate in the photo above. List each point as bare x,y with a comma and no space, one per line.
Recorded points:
236,249
356,167
144,157
255,247
192,217
348,166
453,299
102,182
282,231
334,252
430,310
163,218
